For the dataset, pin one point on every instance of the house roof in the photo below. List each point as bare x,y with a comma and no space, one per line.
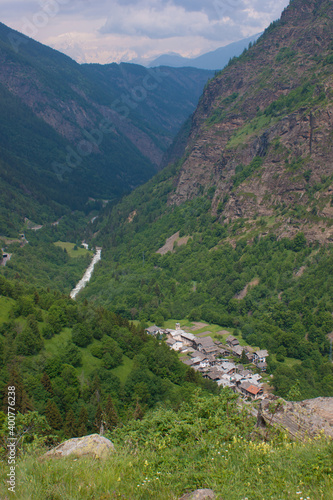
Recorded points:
210,349
152,329
205,341
189,336
232,340
262,354
262,365
214,374
197,354
253,389
238,350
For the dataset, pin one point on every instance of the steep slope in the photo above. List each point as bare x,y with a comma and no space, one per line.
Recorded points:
69,132
262,134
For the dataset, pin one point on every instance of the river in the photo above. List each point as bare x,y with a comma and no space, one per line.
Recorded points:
87,275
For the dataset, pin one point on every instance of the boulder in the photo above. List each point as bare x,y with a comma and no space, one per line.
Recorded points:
199,495
95,446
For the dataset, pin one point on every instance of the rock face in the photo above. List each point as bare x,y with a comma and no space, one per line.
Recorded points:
199,495
95,446
302,420
261,136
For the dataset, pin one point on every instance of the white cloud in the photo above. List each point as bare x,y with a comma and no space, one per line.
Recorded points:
114,30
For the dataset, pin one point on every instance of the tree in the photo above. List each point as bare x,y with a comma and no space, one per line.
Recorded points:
98,419
22,400
243,358
82,422
53,415
46,382
81,336
72,355
110,415
70,428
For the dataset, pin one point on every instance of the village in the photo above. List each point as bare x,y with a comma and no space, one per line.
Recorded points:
216,361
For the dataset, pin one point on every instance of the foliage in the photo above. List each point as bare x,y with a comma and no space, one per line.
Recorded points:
207,443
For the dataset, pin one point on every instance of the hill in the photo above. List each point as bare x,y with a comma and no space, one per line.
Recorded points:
70,132
214,60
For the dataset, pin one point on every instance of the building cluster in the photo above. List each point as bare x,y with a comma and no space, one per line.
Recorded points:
212,359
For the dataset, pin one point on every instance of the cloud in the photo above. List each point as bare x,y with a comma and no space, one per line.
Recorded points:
120,30
213,19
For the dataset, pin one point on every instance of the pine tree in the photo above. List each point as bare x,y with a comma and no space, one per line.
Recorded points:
53,415
98,419
46,382
22,400
82,422
110,415
243,359
70,428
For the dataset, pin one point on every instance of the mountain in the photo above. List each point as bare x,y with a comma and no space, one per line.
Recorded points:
261,135
213,60
238,232
70,132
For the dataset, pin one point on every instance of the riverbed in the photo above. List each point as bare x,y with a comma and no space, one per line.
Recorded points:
88,274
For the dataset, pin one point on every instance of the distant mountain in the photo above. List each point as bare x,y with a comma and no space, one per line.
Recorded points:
214,60
69,132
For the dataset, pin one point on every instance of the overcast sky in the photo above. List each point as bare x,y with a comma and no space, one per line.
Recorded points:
121,30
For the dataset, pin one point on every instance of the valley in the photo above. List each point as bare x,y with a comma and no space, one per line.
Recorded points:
167,269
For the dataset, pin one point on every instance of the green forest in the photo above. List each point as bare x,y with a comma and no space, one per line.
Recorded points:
74,362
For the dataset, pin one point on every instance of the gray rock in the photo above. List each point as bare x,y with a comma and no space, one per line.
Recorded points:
199,495
95,446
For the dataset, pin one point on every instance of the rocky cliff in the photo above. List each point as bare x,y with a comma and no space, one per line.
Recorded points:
261,138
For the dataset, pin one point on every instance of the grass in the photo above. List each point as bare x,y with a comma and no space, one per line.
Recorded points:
55,344
235,470
6,304
123,371
70,249
289,362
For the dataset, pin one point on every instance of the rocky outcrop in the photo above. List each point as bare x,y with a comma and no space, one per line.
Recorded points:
273,104
95,446
301,420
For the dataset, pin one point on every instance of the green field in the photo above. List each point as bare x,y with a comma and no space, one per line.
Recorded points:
70,249
6,305
124,369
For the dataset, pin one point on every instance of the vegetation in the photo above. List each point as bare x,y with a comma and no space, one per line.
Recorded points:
207,442
65,358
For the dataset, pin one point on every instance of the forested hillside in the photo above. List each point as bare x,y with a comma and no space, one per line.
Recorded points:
70,362
69,132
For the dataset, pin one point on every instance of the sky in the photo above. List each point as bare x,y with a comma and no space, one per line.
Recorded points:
106,31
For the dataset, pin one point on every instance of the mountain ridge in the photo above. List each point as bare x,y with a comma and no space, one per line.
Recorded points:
105,129
273,115
214,60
